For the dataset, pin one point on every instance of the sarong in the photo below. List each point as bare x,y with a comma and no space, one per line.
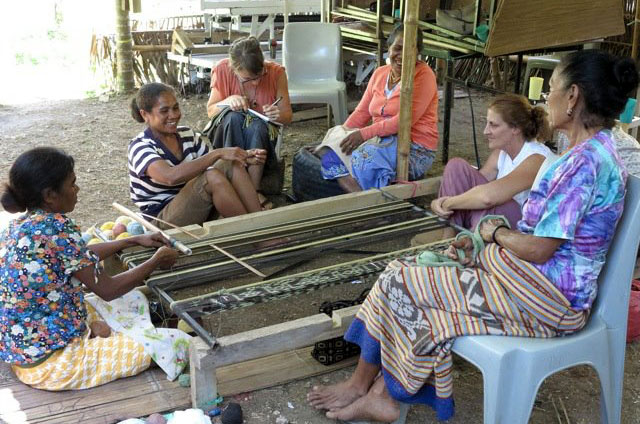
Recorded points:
373,163
87,362
413,314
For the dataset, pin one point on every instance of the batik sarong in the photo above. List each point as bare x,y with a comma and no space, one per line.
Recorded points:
413,314
87,362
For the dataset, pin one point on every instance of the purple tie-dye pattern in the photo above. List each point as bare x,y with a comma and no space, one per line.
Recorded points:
579,199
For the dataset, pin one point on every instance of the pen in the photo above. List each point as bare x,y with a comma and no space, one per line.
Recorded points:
276,102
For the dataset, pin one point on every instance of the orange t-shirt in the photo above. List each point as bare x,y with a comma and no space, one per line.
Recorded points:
374,106
227,83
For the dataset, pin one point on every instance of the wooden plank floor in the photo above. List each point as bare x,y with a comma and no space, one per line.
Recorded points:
131,397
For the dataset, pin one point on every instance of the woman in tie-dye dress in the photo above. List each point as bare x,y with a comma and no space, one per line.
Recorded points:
537,281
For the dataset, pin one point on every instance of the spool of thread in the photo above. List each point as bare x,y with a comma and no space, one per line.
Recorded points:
107,225
123,236
118,229
535,88
135,228
124,220
94,241
86,237
627,114
232,414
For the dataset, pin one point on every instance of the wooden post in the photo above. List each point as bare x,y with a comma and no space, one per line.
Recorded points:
379,33
406,92
636,33
124,53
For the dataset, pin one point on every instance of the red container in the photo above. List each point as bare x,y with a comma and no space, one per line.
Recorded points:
633,323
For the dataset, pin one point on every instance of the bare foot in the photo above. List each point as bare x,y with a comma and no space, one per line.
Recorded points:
335,396
377,405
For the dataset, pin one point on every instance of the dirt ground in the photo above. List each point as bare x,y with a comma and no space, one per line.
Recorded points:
96,133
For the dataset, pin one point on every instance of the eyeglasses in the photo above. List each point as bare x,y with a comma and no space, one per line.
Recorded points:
245,80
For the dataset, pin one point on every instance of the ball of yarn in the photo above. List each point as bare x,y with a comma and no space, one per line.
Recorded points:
107,225
135,228
108,234
124,220
86,237
156,419
118,229
94,241
123,236
183,326
184,380
232,414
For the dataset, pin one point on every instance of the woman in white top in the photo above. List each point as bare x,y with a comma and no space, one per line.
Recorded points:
501,186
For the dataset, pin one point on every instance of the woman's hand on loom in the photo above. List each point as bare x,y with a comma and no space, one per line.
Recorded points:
256,156
150,240
437,206
351,142
237,102
164,257
464,243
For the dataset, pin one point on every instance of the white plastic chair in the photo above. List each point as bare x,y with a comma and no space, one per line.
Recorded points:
312,57
514,367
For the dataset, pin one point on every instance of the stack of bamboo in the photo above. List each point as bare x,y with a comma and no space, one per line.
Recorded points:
184,43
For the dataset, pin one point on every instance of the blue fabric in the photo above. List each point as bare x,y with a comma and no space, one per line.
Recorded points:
370,352
332,166
374,163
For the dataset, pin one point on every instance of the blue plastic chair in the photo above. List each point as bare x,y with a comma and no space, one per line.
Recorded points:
514,367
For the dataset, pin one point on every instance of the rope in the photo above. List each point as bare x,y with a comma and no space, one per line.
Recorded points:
412,183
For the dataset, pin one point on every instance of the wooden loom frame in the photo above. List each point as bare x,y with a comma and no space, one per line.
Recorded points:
277,353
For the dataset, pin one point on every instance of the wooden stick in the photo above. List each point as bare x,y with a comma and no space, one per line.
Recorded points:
174,243
406,91
219,249
636,33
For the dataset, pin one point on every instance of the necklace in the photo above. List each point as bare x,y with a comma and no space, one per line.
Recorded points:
251,99
393,80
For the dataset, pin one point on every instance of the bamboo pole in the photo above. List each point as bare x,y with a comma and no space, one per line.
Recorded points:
406,92
174,243
219,249
636,33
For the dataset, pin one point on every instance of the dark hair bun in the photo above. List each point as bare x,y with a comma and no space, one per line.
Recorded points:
135,111
10,201
542,128
626,74
33,172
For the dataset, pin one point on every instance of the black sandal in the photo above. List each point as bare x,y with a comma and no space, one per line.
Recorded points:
328,352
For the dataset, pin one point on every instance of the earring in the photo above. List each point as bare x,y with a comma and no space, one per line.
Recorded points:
570,111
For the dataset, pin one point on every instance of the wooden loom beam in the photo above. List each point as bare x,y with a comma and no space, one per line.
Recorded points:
259,343
334,242
288,229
